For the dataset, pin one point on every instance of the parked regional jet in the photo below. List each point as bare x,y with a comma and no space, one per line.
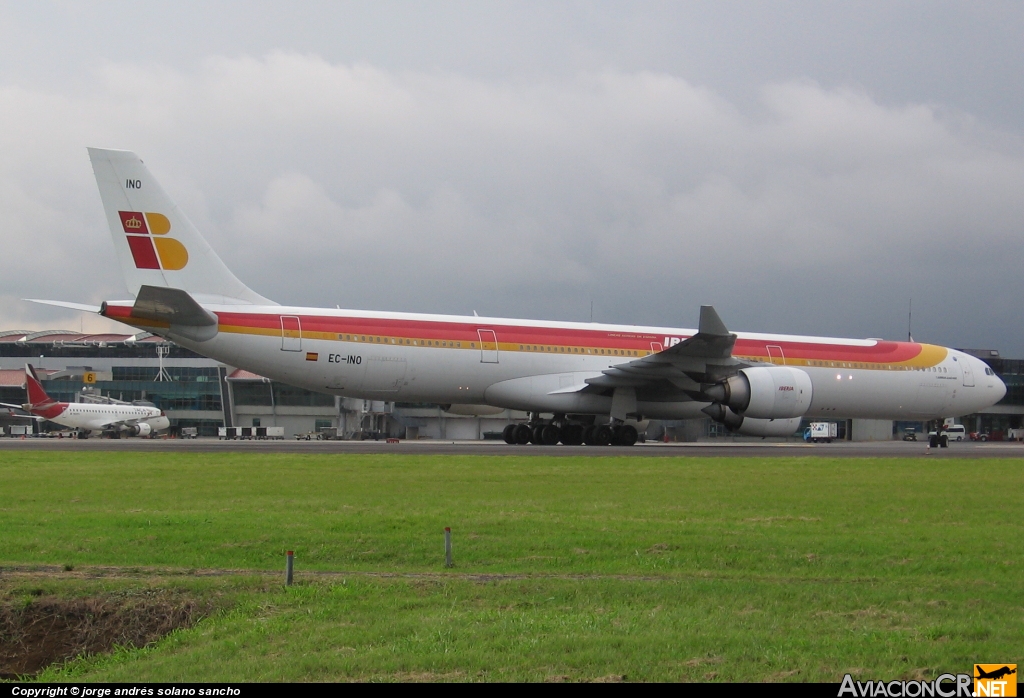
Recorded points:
113,417
581,382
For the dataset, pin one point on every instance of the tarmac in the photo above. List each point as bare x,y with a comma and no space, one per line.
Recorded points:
722,448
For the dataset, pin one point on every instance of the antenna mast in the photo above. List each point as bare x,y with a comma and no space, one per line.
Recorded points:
910,317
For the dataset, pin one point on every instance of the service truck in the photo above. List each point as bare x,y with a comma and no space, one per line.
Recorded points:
821,431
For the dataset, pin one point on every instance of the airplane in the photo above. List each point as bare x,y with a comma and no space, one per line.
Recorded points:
580,382
994,674
86,418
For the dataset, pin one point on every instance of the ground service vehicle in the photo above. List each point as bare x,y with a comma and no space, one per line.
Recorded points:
821,431
247,433
953,432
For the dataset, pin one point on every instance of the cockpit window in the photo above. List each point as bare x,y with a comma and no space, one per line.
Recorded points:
989,371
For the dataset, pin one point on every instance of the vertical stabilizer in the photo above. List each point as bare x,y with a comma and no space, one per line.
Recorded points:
36,394
156,244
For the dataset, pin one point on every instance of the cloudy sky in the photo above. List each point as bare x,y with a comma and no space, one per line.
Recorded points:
806,167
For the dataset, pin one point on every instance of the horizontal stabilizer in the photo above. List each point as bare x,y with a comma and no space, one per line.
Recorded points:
171,305
65,304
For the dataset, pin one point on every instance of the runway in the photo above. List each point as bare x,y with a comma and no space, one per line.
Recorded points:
724,448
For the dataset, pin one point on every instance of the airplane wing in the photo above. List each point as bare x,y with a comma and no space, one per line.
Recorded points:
677,372
21,409
102,424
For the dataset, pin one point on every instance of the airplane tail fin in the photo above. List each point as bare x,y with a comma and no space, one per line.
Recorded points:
156,244
36,395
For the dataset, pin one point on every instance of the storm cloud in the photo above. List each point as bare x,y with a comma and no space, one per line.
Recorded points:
791,204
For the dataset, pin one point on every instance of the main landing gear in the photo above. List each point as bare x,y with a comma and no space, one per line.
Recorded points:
570,434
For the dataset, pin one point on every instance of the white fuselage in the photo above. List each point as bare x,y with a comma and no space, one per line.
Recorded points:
92,417
540,366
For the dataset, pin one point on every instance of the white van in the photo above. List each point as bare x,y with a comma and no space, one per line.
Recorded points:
954,432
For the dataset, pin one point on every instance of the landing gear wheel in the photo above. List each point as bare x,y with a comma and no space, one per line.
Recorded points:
627,435
535,435
509,434
589,435
550,435
572,434
603,435
522,435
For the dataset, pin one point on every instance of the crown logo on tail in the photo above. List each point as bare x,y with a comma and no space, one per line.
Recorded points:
150,249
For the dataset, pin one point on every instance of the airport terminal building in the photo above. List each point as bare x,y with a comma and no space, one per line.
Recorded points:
195,391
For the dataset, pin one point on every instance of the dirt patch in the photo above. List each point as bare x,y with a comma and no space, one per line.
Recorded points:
38,631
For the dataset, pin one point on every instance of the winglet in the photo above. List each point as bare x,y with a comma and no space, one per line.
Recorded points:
710,323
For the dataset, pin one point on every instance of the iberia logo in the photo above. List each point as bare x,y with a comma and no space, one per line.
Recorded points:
150,249
995,680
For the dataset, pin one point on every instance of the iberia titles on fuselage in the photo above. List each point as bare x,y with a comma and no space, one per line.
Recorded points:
588,377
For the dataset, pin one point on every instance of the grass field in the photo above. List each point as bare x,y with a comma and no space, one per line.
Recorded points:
565,568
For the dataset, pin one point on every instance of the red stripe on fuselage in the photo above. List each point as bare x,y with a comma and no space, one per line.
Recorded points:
881,352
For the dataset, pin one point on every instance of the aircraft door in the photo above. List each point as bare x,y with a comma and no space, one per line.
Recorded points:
775,355
488,346
291,333
965,366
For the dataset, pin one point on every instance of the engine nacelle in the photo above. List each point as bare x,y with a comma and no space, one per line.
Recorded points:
750,426
768,427
140,429
765,392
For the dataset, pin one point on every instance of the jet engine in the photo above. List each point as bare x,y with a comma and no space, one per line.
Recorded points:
764,392
140,429
751,426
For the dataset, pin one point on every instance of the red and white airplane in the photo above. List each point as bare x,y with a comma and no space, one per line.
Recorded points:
86,417
581,382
